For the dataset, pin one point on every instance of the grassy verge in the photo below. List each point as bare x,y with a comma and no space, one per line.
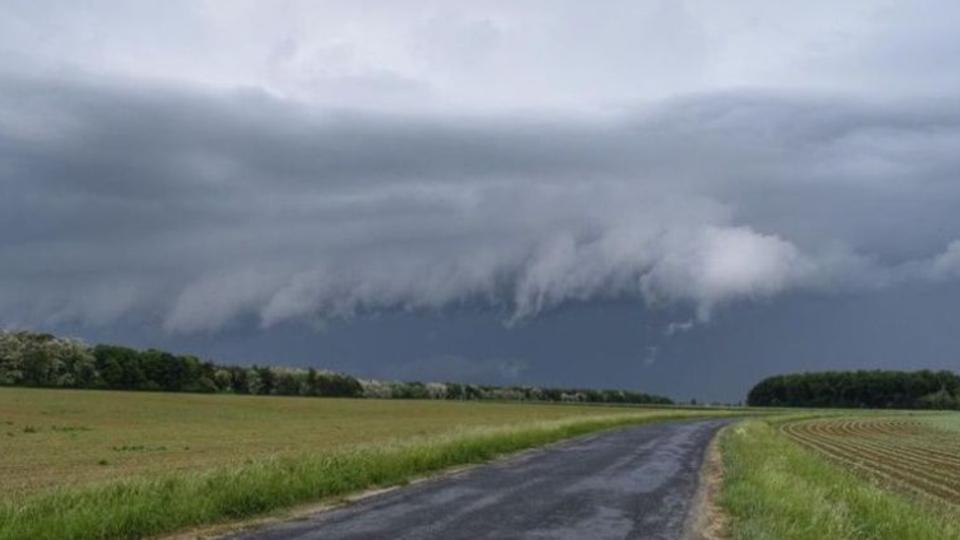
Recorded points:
147,506
774,489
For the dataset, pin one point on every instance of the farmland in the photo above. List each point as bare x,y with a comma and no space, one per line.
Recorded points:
80,463
830,474
912,452
52,438
129,464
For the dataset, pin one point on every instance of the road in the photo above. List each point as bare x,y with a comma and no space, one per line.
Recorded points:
632,483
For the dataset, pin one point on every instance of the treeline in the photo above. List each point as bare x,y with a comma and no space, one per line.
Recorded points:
876,389
44,360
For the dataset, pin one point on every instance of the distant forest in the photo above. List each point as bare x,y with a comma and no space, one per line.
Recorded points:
44,360
867,389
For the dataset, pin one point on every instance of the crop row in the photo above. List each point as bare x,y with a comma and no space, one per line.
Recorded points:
900,450
910,440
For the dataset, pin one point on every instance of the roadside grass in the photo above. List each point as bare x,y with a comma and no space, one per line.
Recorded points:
776,489
138,505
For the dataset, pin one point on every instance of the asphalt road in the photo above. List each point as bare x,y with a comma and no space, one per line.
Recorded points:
633,483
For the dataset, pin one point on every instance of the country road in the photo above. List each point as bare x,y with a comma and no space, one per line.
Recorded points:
633,483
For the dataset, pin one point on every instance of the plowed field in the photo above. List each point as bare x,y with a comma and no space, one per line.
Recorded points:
909,452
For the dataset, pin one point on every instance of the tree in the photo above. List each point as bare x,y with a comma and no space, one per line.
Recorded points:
287,384
223,379
267,380
11,358
874,389
312,385
35,359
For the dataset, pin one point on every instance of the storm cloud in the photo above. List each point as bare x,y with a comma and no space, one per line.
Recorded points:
614,193
193,208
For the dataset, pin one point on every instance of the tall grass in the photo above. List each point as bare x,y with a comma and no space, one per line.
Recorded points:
140,507
774,489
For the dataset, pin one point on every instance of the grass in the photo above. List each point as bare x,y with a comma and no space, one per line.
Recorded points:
946,422
774,488
188,460
50,439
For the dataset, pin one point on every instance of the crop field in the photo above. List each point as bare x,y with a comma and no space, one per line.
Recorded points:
920,453
809,475
57,438
131,464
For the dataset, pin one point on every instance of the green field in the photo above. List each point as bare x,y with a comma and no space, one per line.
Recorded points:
946,422
123,464
869,475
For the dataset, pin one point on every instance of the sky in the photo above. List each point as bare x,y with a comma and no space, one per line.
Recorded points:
678,197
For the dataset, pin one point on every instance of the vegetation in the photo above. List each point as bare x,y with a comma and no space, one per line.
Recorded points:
774,488
907,452
946,422
125,464
866,389
43,360
54,438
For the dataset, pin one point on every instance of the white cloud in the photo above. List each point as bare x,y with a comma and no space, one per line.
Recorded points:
490,54
716,265
678,327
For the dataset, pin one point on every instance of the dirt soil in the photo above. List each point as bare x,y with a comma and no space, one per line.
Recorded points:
707,521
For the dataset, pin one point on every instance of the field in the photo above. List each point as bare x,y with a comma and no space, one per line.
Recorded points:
870,475
913,452
82,464
53,438
115,464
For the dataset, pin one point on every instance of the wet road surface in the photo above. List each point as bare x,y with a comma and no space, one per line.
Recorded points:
632,483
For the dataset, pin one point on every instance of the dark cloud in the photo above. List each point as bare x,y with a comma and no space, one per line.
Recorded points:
574,188
456,368
193,208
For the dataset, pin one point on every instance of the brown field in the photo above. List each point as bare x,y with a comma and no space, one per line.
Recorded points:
53,439
920,453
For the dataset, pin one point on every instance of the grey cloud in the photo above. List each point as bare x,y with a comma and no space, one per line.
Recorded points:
678,327
122,199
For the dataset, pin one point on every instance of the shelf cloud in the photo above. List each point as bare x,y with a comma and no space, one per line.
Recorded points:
190,207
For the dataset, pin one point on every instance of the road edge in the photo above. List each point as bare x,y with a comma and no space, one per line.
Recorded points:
706,520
